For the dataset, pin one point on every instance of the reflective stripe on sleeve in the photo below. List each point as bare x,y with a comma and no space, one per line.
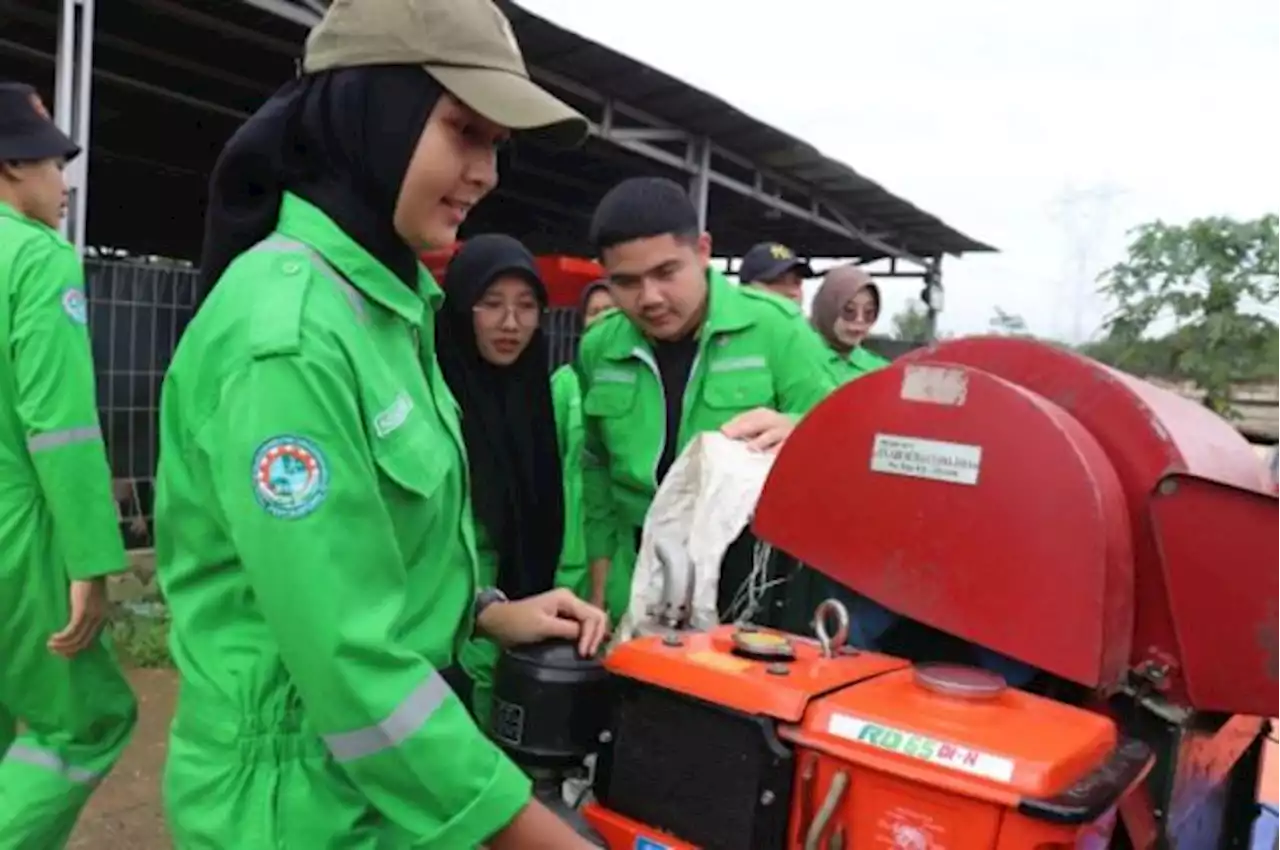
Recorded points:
64,437
409,716
36,757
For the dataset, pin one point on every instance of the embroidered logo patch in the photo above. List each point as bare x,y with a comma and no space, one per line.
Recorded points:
290,476
75,305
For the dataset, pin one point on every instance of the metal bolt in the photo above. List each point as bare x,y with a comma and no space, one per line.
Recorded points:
672,640
606,736
777,669
1168,487
767,798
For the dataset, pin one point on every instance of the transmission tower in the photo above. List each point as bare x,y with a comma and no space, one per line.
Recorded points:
1084,215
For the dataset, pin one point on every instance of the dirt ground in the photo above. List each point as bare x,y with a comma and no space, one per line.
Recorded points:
125,812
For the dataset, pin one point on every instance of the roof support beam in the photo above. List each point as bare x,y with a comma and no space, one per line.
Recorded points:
649,134
129,82
302,15
696,161
700,180
641,144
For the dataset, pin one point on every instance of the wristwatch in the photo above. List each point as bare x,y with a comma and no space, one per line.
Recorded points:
486,597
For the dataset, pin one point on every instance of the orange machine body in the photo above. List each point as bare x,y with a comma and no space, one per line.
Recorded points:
896,763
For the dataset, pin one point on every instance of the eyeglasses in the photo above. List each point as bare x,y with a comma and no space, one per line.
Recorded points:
526,315
859,313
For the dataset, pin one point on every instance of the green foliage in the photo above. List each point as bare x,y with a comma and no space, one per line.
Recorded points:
1209,277
911,324
141,634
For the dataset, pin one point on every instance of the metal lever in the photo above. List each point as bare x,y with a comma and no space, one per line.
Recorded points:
813,837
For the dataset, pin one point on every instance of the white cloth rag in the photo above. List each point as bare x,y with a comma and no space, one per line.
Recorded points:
705,501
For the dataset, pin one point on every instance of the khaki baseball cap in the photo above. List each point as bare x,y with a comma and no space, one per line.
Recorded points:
467,45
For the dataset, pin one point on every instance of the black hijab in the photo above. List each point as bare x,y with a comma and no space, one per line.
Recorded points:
340,139
508,422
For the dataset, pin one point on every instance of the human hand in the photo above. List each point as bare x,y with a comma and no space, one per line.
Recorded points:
762,429
88,603
554,614
535,827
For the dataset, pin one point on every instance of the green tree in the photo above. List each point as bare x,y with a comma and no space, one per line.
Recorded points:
911,324
1210,277
1007,324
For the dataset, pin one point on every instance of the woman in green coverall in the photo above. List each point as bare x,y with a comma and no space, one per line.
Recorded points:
58,534
566,397
314,540
494,357
844,309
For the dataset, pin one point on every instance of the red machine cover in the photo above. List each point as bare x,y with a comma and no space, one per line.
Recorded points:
565,277
1203,520
968,503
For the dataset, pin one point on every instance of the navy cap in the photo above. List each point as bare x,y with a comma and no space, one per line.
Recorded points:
769,261
27,133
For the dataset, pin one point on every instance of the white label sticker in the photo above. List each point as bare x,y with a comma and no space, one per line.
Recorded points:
394,416
935,385
916,457
924,748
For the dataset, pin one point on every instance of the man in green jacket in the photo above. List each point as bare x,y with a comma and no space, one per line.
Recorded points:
566,399
59,536
686,352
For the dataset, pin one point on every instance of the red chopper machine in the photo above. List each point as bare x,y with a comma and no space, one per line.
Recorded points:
1015,495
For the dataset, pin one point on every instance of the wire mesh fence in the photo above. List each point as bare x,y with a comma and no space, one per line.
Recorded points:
137,312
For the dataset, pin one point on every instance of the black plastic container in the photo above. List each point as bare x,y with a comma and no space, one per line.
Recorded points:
549,705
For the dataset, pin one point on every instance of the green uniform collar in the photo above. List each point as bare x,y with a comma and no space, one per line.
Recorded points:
7,211
725,314
304,221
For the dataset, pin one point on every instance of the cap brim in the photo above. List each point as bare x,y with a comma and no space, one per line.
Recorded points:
515,102
46,143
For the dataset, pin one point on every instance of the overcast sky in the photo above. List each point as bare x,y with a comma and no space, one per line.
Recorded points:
988,113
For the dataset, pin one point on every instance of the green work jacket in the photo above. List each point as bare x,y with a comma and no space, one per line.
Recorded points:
566,398
859,362
314,533
56,508
754,350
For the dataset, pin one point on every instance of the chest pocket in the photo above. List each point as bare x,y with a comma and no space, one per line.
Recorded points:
742,389
610,399
414,459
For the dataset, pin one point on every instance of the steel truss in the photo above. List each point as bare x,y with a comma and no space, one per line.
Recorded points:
619,124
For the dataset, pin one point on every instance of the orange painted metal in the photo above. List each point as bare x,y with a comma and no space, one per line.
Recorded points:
704,665
919,765
621,833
